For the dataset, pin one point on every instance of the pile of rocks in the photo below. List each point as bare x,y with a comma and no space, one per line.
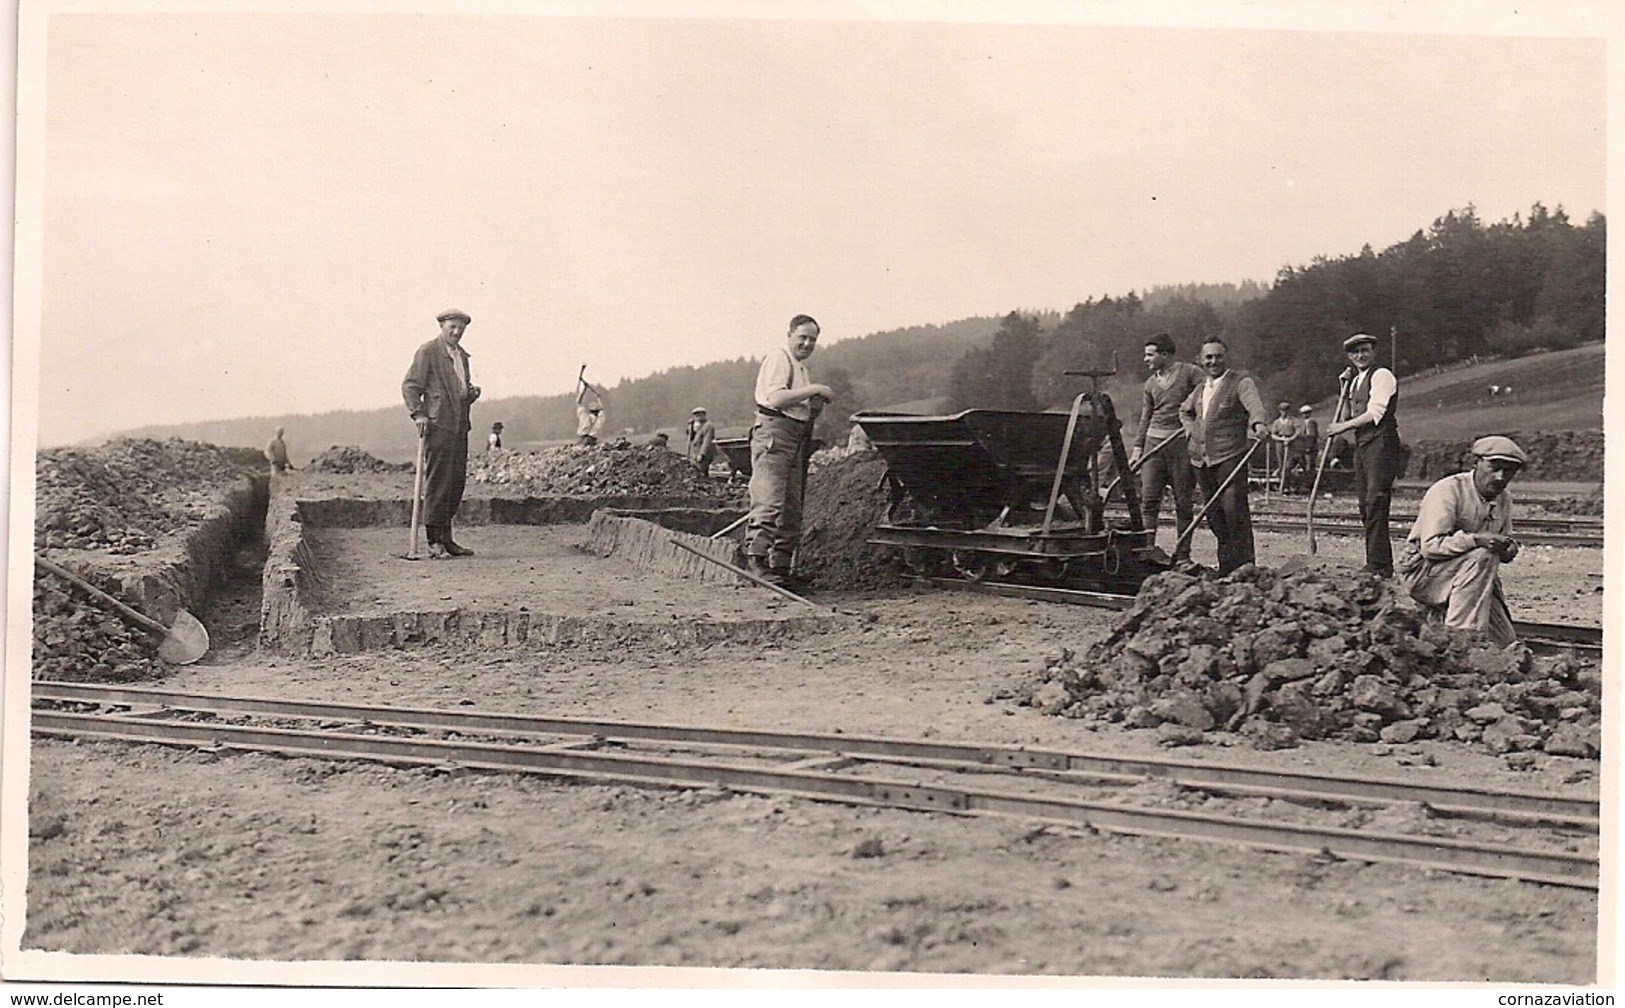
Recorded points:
81,639
126,494
1283,657
575,470
351,459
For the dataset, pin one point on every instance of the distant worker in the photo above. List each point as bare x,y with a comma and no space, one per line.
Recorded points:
702,440
276,452
787,401
493,441
661,440
438,392
1452,559
589,414
1221,417
1373,399
1166,463
1282,430
1307,441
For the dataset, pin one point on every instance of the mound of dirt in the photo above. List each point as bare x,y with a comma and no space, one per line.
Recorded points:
79,638
845,499
1553,455
351,459
126,494
576,470
1283,657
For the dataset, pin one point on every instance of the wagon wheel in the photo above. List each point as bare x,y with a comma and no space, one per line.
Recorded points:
924,562
979,566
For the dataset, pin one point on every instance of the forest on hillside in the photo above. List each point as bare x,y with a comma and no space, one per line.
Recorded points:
1455,289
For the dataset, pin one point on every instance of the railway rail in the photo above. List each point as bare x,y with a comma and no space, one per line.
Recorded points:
1401,529
1075,788
1585,638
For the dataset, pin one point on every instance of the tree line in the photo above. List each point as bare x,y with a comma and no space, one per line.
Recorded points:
1455,289
1458,289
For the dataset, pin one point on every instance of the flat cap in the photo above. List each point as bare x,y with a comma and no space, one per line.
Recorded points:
451,313
1359,339
1306,409
1286,405
1503,448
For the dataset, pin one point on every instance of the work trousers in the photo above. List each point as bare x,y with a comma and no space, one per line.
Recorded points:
1228,515
445,471
1467,588
1169,467
1376,465
777,484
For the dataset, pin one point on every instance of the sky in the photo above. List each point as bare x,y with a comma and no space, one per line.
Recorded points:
225,215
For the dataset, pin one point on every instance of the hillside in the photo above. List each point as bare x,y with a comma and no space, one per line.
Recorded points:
1555,391
1558,390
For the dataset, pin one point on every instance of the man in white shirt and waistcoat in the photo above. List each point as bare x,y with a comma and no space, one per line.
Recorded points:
1373,400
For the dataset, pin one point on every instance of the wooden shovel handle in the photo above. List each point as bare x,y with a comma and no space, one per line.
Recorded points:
137,617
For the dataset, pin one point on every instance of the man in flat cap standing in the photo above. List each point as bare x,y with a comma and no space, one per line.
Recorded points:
1373,398
438,393
702,441
1463,534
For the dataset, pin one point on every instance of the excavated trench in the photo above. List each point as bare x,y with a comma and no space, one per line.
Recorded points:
548,571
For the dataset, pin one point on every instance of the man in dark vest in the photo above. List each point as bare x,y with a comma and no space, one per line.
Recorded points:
1223,417
1373,400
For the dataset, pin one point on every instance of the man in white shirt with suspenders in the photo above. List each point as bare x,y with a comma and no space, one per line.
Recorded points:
1373,400
785,409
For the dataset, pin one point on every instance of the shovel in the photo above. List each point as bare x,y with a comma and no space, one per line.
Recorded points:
1300,561
1139,463
417,499
1241,467
185,641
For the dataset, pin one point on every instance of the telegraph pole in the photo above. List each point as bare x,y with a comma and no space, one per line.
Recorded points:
1393,359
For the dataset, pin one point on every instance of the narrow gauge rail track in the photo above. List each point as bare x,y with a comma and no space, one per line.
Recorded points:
1584,638
1582,527
1399,530
848,769
1533,532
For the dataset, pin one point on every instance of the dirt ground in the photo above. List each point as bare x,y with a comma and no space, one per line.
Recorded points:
178,853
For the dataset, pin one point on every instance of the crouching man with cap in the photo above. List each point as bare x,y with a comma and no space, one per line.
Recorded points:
438,394
1463,534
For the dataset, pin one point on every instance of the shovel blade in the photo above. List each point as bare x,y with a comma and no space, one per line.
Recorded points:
186,641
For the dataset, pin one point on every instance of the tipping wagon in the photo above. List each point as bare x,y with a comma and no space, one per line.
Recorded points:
1011,495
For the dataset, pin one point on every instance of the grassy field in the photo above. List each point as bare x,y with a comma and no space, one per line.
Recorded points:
1560,390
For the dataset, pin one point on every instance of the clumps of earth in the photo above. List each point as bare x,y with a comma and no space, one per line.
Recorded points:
1588,504
1280,657
578,470
351,459
844,501
82,639
1553,455
126,494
